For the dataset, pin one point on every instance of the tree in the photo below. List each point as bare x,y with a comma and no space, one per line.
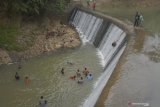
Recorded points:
32,7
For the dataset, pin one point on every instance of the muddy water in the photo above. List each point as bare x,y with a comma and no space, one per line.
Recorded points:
46,79
138,81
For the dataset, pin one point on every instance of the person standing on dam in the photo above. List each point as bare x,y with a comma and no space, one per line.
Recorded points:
141,19
136,20
88,3
26,80
94,5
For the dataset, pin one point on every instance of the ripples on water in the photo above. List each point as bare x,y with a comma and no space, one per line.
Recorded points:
139,80
46,79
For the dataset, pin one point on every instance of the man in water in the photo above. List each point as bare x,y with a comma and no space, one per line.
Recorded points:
42,102
73,77
89,77
62,71
17,77
78,73
26,80
85,72
80,81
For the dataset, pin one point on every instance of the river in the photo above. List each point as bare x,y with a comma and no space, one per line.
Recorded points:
137,83
46,79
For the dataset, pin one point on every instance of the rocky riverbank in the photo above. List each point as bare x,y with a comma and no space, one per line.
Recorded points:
49,40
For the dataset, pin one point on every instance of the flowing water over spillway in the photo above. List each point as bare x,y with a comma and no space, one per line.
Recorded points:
110,41
58,89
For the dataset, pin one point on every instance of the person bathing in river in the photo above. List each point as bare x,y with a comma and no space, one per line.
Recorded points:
62,71
78,73
17,77
42,102
26,80
80,81
85,72
89,77
73,77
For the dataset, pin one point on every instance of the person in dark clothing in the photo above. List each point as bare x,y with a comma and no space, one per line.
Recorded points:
137,17
17,77
62,71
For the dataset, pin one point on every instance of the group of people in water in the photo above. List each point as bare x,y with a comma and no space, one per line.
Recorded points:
80,75
42,101
26,79
138,19
91,3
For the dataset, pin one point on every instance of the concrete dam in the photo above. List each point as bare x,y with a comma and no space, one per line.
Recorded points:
109,38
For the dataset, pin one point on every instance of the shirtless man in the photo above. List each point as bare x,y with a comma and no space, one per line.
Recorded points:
85,72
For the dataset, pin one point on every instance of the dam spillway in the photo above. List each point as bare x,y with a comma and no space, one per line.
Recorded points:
104,42
107,37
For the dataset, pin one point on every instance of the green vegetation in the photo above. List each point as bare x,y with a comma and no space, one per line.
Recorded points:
8,37
11,10
32,7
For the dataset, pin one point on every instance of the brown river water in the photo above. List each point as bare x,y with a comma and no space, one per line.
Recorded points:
136,80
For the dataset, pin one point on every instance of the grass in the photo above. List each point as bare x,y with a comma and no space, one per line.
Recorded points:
8,38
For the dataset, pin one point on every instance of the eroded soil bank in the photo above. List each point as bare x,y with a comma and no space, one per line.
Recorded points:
42,37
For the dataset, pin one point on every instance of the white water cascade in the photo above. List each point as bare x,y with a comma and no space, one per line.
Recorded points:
109,49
